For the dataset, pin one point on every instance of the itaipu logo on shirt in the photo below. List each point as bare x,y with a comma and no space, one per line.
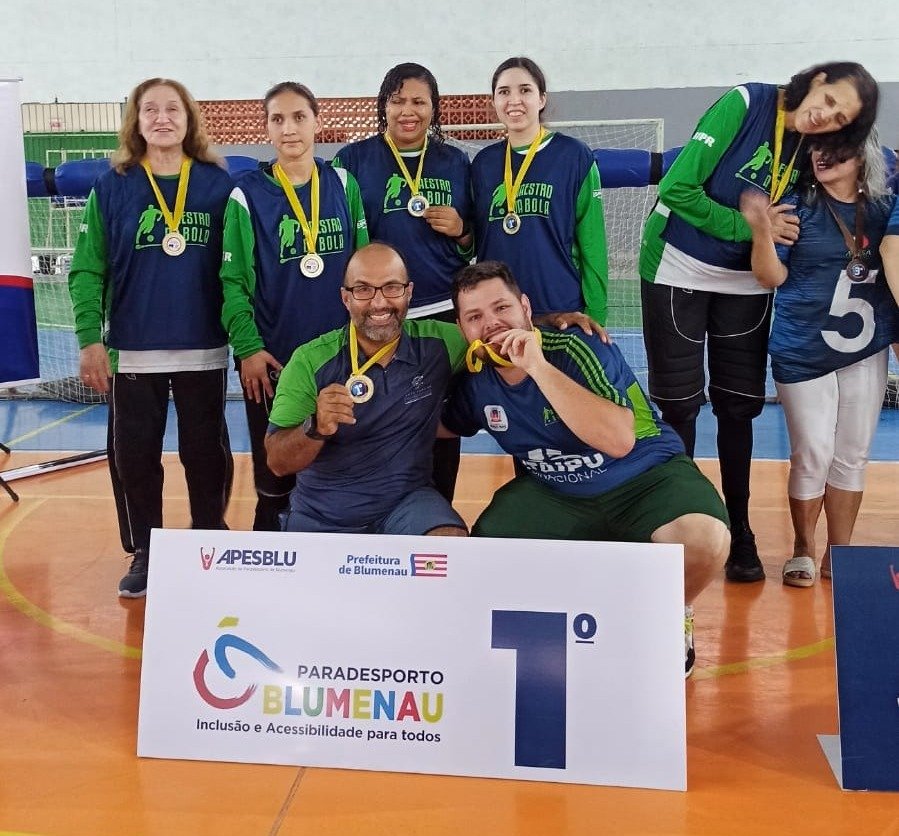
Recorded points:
436,190
757,169
533,199
331,238
151,228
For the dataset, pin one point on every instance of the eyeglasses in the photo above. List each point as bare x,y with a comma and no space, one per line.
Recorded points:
365,292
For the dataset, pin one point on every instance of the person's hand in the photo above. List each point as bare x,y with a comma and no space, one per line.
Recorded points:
254,374
521,347
784,224
445,220
94,367
333,407
754,206
574,319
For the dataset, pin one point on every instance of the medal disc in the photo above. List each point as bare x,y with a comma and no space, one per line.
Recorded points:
173,243
857,270
360,387
417,205
312,265
511,223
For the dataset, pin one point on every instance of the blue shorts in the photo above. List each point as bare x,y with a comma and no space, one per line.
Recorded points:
417,513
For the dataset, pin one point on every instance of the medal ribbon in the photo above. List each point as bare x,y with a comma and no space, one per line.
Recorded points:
512,188
310,230
354,353
475,364
779,184
172,219
412,184
855,246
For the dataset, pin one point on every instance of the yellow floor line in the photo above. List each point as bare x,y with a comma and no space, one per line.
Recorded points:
42,617
64,420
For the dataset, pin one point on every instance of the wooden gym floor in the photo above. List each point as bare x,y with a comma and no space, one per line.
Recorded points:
70,666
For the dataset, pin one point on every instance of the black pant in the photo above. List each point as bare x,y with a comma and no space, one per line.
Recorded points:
272,492
138,406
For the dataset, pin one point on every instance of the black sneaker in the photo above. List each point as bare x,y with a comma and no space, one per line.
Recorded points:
743,564
134,584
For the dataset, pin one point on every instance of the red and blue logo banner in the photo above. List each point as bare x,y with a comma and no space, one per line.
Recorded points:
866,625
19,358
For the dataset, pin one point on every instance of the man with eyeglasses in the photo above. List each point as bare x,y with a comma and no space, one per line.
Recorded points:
356,411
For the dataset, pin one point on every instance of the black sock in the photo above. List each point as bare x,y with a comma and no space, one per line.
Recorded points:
735,457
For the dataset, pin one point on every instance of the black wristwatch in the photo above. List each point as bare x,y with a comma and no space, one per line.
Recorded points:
310,429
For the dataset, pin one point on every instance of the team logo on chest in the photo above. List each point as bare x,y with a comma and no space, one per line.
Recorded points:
533,199
497,421
432,191
330,239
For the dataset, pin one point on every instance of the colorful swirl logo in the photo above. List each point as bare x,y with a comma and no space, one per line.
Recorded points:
224,643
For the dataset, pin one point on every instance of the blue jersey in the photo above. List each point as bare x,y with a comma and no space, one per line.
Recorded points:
366,468
558,256
432,258
269,303
525,425
822,320
153,301
698,212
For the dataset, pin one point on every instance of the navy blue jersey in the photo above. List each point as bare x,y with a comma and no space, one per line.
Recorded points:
525,425
269,303
822,320
432,258
153,301
364,470
558,257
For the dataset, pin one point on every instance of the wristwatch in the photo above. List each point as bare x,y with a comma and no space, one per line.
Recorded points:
310,429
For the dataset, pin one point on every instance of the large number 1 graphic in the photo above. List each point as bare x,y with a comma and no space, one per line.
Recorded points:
540,686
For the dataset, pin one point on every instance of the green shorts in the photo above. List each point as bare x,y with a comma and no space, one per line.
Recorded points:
629,513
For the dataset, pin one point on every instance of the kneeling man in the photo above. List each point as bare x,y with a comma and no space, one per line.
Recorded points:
594,460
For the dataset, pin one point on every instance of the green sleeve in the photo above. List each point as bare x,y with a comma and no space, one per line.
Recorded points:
238,275
88,275
589,250
357,212
681,189
295,398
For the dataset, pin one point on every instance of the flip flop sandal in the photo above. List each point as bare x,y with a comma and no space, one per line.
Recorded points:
799,571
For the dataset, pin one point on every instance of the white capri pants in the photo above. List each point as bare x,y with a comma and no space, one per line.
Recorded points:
831,421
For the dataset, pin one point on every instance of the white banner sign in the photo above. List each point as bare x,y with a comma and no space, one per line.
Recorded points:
536,660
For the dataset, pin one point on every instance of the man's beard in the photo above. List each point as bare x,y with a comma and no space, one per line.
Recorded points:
382,332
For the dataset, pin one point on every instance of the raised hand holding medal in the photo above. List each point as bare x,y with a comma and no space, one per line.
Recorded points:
173,242
311,264
358,384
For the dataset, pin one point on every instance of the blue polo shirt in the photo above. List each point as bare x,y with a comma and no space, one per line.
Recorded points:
364,469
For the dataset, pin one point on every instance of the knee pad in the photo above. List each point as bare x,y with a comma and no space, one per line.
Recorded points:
680,412
734,405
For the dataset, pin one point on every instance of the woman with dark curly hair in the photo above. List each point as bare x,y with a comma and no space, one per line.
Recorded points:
415,190
698,289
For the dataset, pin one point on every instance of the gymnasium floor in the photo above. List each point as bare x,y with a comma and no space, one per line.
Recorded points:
69,675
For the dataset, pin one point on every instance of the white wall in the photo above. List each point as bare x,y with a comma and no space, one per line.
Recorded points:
96,50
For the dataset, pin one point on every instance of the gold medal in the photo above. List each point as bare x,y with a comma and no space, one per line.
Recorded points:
312,265
360,387
857,270
417,205
173,243
511,223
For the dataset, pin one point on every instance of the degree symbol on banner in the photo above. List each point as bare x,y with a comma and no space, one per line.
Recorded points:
584,627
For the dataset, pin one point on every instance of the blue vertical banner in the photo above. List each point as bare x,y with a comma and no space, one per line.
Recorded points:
866,624
19,358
